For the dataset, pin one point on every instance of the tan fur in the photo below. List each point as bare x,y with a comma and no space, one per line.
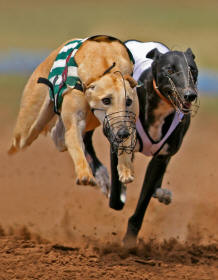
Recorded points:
36,111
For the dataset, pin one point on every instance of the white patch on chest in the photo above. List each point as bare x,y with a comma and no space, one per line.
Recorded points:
160,113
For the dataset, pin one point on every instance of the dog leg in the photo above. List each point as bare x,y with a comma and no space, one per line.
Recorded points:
58,135
73,113
44,117
98,169
33,100
153,180
25,138
125,168
117,194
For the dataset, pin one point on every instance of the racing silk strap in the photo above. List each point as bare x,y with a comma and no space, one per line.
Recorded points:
151,147
63,73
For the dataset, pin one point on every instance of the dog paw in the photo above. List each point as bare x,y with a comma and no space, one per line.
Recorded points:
103,180
85,179
125,175
163,195
129,242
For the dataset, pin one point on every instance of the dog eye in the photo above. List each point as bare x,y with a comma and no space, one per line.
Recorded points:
106,101
170,71
91,87
128,102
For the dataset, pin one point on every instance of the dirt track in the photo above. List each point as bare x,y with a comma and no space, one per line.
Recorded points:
53,229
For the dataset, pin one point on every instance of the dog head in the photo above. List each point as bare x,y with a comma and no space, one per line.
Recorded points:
175,74
113,100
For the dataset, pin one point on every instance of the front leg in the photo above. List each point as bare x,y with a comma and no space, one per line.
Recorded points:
125,167
117,187
153,180
125,159
73,113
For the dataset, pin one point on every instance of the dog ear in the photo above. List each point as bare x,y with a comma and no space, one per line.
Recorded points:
190,53
154,54
131,81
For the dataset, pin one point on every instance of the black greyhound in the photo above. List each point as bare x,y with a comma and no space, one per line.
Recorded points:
167,90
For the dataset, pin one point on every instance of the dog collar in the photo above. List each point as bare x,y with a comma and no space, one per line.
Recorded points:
160,94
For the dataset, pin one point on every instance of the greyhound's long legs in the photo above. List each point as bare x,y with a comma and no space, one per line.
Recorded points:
117,193
93,160
98,169
153,180
116,185
73,116
28,128
45,115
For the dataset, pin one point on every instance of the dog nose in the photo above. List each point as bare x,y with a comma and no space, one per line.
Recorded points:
190,96
123,133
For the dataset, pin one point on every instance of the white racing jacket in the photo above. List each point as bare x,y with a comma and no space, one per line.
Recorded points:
139,51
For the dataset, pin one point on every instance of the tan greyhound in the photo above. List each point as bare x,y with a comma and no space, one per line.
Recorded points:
104,69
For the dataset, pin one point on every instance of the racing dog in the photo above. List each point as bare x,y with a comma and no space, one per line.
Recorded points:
90,84
167,98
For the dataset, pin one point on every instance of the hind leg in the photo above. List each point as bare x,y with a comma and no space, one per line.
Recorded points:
35,112
58,135
24,137
44,117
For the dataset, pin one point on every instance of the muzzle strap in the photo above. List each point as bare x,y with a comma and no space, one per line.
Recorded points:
111,127
45,81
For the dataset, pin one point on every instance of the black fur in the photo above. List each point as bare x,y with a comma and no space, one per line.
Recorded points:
173,64
92,159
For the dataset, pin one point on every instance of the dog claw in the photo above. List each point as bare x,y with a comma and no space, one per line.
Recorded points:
125,174
86,180
125,179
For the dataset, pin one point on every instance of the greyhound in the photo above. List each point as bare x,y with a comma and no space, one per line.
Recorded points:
167,94
90,84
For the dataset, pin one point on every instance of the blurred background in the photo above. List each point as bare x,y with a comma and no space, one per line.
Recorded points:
31,29
33,191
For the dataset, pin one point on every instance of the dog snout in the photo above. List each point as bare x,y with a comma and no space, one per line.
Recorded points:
123,133
190,96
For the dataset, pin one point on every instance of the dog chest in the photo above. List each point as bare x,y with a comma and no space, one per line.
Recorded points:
153,140
159,114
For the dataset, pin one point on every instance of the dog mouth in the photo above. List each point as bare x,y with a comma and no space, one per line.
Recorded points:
120,130
183,100
186,106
